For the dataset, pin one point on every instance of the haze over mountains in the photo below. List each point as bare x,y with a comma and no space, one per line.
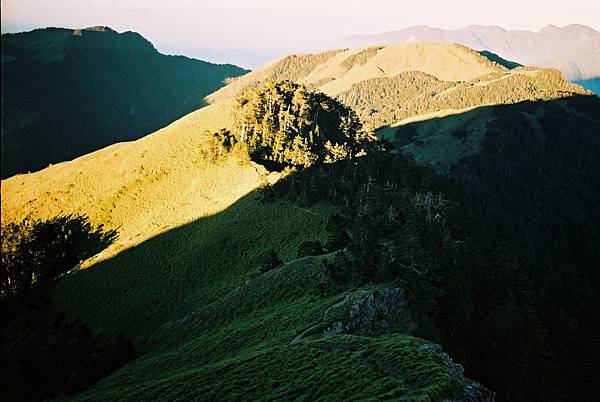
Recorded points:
68,92
573,49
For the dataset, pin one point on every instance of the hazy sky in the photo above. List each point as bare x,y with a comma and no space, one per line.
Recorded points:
247,32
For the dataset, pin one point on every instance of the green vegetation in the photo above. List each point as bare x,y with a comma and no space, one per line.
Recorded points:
533,182
250,295
537,171
384,101
35,254
225,318
285,123
43,352
212,312
462,134
65,95
511,320
269,260
338,368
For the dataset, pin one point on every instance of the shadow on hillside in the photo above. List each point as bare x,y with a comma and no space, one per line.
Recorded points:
171,274
529,170
533,180
493,57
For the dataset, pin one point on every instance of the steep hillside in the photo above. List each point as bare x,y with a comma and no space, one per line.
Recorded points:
573,49
183,282
385,84
336,71
530,173
141,188
520,166
319,285
382,101
66,92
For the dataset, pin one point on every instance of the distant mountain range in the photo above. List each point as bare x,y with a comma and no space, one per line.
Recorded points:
69,92
573,49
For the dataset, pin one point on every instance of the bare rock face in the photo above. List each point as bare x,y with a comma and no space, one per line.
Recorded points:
373,312
379,311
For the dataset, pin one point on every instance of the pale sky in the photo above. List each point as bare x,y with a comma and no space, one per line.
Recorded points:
250,32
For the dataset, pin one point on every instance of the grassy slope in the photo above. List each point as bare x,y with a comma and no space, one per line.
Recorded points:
228,336
386,84
336,71
141,188
448,134
65,95
187,292
443,138
448,63
159,182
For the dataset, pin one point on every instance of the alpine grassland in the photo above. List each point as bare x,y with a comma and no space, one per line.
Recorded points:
329,227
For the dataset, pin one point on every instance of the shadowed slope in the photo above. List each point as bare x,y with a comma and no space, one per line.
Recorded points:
497,59
529,169
207,323
69,92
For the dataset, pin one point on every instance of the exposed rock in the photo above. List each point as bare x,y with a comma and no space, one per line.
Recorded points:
378,311
374,312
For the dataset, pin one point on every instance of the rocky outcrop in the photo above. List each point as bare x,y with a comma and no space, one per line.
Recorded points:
373,312
377,311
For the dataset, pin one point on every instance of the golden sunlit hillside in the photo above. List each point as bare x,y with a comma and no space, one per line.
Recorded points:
145,187
336,71
159,182
140,188
386,84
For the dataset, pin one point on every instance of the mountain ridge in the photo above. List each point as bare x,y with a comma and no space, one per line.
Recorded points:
185,280
574,49
69,92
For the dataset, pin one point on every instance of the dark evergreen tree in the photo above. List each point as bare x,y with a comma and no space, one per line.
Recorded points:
269,260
